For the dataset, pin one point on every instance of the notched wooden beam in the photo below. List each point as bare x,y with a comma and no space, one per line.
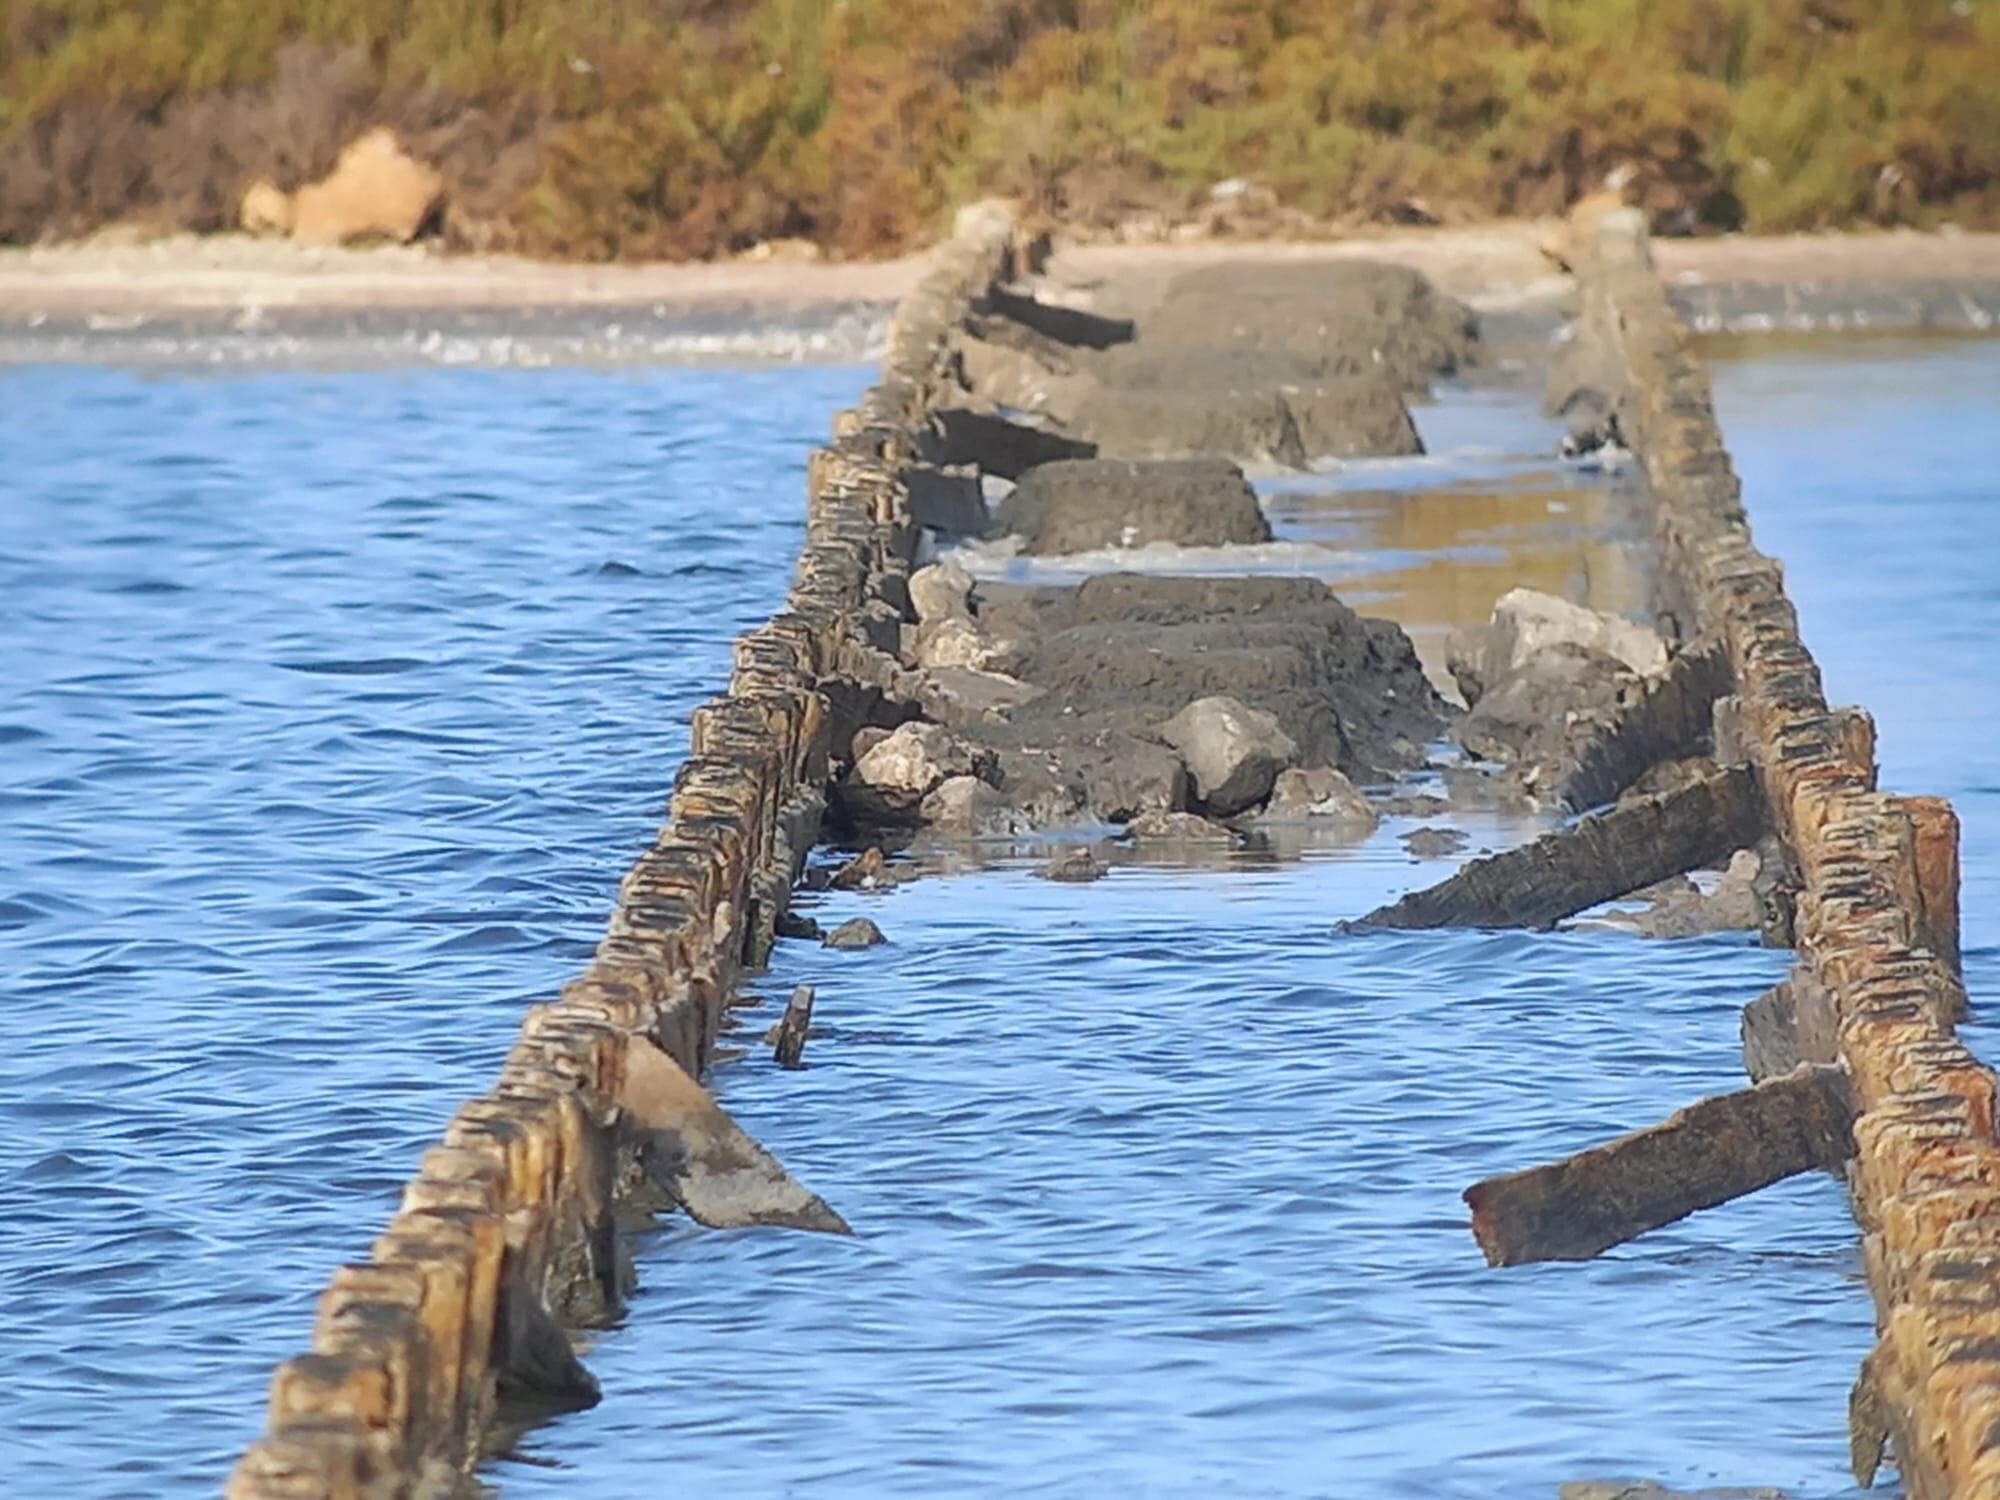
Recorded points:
1597,858
708,1163
1793,1022
1665,718
1698,1157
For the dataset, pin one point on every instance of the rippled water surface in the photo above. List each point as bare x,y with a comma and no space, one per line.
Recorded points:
340,701
334,706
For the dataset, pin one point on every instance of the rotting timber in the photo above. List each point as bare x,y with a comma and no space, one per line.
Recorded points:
886,696
505,1238
1860,1041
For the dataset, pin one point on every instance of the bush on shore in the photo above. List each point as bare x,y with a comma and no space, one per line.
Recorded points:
600,129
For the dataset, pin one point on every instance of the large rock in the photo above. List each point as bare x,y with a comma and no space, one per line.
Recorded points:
1363,416
1233,752
1100,667
375,191
953,643
1130,650
968,695
891,779
1081,505
1530,717
265,209
947,500
967,806
1254,405
1359,315
941,591
1254,427
1527,624
1320,793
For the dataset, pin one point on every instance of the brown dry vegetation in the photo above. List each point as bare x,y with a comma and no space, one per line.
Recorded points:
683,128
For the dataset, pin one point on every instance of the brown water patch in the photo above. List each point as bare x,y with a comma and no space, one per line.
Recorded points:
1436,559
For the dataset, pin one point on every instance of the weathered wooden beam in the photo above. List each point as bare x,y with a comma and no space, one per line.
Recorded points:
1666,718
1698,1157
1065,325
708,1163
1009,449
1597,858
789,1049
1793,1022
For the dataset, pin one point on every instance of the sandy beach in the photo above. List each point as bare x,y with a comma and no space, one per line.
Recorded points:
1495,263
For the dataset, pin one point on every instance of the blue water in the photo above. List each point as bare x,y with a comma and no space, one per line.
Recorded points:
335,705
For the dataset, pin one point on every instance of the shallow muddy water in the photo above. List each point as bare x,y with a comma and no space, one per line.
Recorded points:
337,703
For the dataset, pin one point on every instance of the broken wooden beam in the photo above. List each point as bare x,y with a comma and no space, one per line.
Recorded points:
1793,1022
960,435
1666,717
789,1050
1597,858
708,1163
1698,1157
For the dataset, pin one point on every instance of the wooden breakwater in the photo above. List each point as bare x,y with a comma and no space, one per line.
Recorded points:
505,1237
1855,1056
457,1323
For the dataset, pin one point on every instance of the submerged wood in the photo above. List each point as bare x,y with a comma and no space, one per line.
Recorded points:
1790,1023
1666,718
711,1166
793,1030
1698,1157
1597,858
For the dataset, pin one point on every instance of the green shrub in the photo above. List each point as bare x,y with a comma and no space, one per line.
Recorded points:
619,128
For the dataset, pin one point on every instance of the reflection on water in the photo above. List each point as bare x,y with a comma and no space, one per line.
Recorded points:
1429,542
1435,559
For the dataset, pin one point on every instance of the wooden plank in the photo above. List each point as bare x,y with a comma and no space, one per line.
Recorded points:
1667,718
1790,1023
1597,858
1698,1157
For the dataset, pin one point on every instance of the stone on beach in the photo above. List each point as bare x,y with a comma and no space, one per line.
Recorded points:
375,191
265,208
1233,752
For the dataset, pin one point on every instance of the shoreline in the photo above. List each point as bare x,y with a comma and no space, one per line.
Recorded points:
1498,263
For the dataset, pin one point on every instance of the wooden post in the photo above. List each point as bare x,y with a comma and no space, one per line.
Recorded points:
794,1029
1936,830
